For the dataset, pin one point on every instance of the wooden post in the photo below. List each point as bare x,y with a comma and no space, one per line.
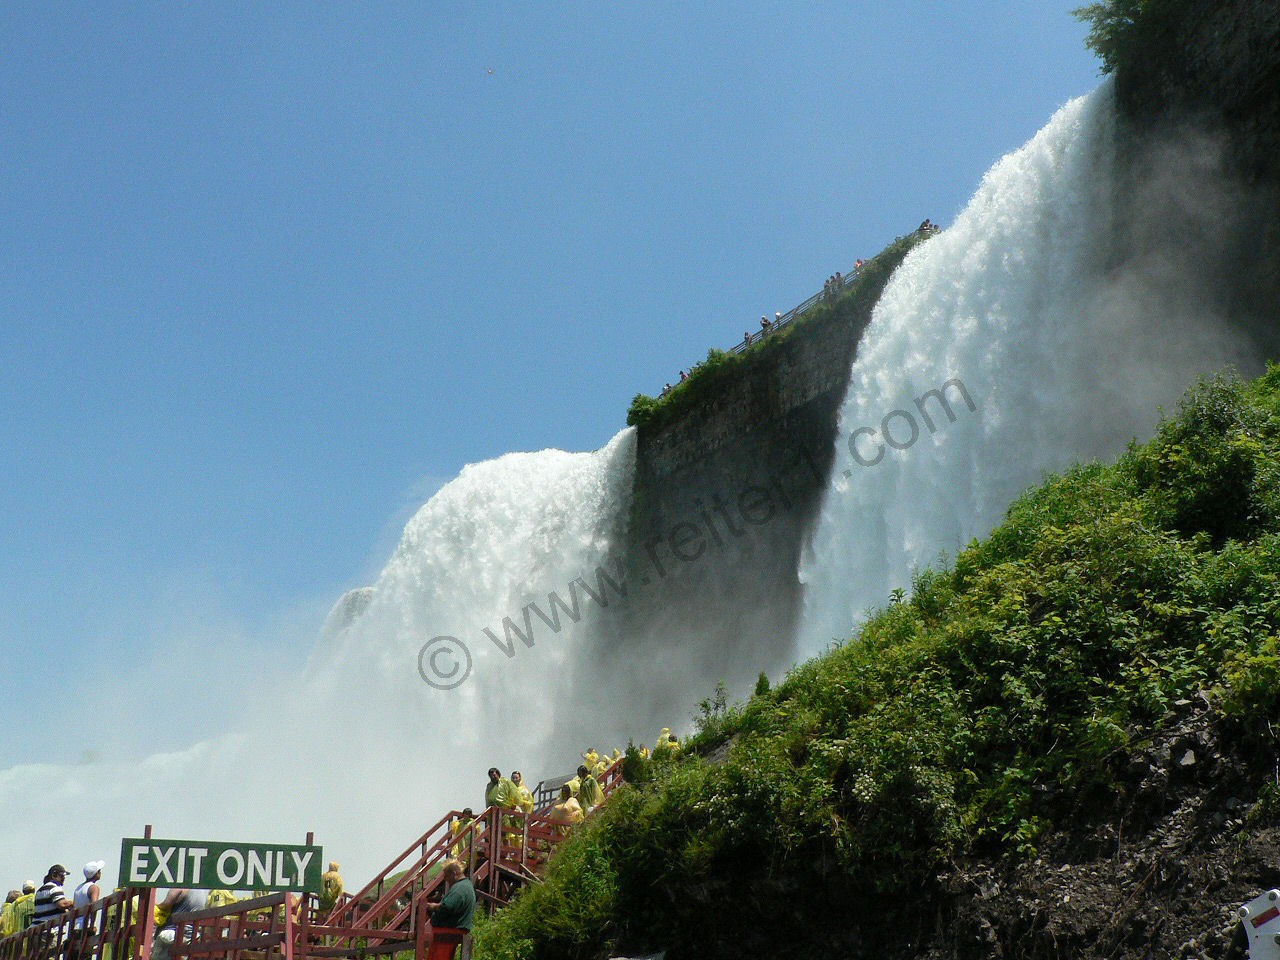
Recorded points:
495,849
421,924
286,948
147,909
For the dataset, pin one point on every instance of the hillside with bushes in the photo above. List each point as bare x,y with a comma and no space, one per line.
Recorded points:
1062,744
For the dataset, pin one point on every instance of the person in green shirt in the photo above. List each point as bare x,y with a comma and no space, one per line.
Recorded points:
458,906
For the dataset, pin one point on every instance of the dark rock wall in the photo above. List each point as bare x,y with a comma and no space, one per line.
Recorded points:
1218,60
1202,195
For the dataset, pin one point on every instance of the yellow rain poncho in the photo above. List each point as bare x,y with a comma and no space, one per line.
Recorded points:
24,909
462,849
525,798
567,812
330,886
667,744
589,793
220,898
502,794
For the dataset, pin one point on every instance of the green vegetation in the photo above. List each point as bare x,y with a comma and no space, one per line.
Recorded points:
722,367
968,718
1120,29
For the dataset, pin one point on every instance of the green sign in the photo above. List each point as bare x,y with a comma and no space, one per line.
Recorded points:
219,866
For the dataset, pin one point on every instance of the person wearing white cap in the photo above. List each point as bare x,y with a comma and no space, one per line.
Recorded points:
80,944
88,892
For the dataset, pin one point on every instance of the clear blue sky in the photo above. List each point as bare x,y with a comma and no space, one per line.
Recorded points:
272,273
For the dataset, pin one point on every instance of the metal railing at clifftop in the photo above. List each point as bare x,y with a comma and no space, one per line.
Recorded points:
783,320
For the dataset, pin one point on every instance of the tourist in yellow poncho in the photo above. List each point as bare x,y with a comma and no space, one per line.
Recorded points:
6,912
330,886
461,850
500,792
24,908
667,745
524,797
220,898
567,812
589,792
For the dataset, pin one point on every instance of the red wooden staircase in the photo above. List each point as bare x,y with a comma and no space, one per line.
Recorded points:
501,850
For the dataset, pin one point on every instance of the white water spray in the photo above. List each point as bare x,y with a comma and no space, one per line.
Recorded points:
505,534
362,750
1063,360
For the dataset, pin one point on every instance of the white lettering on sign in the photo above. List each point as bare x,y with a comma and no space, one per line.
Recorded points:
138,866
228,879
197,859
300,861
259,864
162,871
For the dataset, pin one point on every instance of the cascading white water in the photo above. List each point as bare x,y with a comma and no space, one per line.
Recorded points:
1063,359
362,750
505,533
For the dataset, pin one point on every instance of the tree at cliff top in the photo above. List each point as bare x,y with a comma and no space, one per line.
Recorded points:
1117,27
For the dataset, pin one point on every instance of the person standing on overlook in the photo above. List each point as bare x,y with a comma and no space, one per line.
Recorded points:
330,887
6,913
24,907
589,792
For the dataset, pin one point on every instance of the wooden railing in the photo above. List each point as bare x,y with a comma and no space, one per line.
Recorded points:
501,850
105,930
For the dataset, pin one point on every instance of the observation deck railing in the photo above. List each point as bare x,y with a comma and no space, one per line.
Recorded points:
795,313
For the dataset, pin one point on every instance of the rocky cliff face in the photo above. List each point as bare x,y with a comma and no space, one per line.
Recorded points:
1218,64
724,500
1201,201
726,495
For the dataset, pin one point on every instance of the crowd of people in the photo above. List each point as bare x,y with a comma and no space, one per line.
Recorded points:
35,904
579,795
830,289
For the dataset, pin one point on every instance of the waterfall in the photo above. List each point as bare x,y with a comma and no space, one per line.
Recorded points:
1046,349
491,569
363,750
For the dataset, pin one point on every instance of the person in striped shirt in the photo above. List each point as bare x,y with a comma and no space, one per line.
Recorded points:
51,900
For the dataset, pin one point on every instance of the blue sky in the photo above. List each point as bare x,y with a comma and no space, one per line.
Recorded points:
272,273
